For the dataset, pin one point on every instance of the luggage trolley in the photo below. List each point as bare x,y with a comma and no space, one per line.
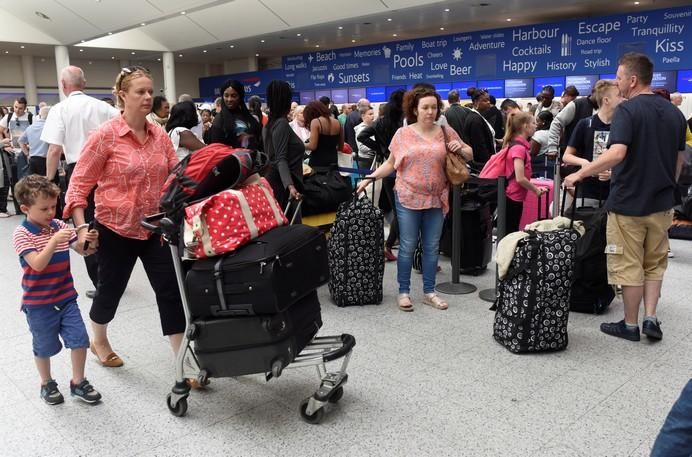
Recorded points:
320,351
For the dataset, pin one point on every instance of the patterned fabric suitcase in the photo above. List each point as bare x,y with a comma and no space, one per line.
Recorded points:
236,346
533,298
264,277
356,254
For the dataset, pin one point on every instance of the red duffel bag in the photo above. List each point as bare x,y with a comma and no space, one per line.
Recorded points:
230,219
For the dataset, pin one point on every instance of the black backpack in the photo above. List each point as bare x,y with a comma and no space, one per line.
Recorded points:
9,116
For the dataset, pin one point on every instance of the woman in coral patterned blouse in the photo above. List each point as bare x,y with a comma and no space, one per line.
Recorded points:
128,159
418,155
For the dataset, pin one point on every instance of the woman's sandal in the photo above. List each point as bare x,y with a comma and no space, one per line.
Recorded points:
435,301
405,303
112,360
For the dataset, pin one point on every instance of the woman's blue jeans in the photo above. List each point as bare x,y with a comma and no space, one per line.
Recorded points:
412,222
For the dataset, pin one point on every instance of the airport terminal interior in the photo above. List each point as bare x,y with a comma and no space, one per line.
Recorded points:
424,383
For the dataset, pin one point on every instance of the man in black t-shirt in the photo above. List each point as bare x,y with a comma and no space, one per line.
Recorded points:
590,138
645,152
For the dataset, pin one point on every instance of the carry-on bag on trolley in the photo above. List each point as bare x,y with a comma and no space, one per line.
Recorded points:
235,346
266,276
356,254
533,297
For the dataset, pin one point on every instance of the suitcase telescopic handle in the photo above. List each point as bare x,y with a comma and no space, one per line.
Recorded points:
299,203
574,206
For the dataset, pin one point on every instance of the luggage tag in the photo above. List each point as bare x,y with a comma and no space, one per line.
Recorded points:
612,249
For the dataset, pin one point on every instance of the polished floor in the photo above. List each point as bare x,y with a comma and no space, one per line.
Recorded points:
427,383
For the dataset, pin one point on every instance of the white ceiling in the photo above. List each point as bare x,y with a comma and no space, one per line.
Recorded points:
217,25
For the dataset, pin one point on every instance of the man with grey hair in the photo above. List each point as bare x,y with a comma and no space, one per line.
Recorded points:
676,99
67,128
352,120
184,98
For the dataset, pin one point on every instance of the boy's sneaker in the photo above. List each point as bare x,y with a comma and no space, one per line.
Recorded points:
50,393
621,330
652,329
85,391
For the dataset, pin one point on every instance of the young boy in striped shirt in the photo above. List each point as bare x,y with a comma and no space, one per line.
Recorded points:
50,299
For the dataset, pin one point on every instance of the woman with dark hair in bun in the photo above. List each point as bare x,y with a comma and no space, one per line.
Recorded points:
235,126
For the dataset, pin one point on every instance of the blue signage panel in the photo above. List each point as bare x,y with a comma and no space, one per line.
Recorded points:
584,84
581,46
389,89
664,79
339,96
685,81
306,96
355,94
558,84
463,86
443,89
608,76
323,93
496,88
519,88
255,83
376,94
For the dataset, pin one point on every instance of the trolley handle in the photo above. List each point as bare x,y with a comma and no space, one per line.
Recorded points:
347,344
149,222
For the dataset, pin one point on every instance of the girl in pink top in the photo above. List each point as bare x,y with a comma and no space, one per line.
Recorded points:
128,158
520,128
418,154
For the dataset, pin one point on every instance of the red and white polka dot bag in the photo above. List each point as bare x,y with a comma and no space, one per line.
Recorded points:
228,220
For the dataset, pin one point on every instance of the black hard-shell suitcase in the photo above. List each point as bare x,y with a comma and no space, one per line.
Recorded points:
236,346
356,254
533,298
264,277
591,292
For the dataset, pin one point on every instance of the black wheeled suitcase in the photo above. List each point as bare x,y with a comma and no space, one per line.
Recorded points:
236,346
533,297
356,254
591,292
264,277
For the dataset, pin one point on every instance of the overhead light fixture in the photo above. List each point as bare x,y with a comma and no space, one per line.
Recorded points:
180,55
81,50
261,41
83,41
341,27
112,57
389,19
298,34
509,19
143,24
204,51
90,62
446,10
232,46
22,46
636,3
353,41
7,52
317,45
183,12
110,33
133,53
394,34
442,28
256,55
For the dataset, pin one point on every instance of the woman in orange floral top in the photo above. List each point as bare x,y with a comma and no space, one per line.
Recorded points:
128,158
418,155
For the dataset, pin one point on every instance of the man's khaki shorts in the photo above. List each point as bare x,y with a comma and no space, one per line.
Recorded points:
637,247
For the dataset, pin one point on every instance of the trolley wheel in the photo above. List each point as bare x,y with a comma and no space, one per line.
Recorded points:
315,418
336,396
179,409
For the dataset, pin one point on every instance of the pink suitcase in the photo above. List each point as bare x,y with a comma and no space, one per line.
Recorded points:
530,213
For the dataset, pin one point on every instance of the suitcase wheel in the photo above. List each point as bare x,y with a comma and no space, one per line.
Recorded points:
336,395
178,408
314,418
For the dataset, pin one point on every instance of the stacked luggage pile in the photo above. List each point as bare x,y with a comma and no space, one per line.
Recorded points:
248,279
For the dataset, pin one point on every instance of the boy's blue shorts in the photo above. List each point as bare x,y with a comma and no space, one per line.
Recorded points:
47,323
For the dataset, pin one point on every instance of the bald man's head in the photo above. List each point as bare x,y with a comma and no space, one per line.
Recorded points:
72,79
